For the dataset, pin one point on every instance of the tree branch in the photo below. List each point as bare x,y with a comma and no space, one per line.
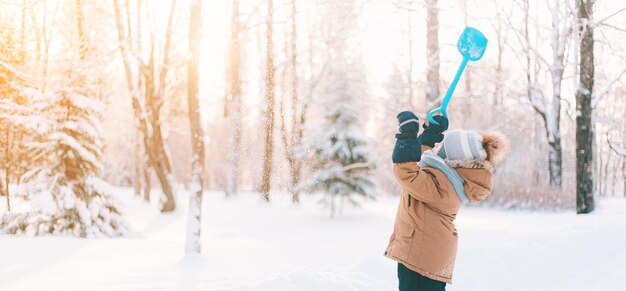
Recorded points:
621,152
356,166
543,60
166,50
17,73
601,21
597,97
614,27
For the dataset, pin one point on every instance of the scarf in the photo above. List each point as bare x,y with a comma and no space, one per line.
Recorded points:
430,159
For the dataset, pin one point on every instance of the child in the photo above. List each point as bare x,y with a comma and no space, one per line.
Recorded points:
436,182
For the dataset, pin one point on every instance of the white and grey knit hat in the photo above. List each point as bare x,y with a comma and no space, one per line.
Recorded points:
462,145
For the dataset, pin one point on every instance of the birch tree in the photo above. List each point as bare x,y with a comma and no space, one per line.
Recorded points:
197,133
549,109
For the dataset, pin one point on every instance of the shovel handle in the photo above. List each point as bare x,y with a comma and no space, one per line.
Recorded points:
446,99
436,110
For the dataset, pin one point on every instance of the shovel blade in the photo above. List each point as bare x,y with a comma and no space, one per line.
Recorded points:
472,44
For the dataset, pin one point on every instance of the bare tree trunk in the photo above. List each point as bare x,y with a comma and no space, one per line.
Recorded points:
141,181
529,80
409,73
147,102
550,113
269,111
7,192
138,30
332,206
35,24
468,70
291,139
137,177
147,185
137,181
432,55
197,133
295,167
46,48
624,175
623,137
233,110
80,19
500,41
584,133
154,143
23,26
555,159
164,172
621,153
7,169
129,26
614,176
142,169
559,38
2,188
599,159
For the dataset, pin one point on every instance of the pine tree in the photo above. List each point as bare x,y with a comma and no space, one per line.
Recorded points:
342,162
66,196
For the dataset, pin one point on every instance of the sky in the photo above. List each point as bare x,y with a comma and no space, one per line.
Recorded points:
382,36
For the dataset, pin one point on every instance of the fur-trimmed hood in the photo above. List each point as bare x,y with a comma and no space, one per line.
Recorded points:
478,179
472,165
477,176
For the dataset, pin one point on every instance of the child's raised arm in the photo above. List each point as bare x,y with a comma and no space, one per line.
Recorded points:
420,183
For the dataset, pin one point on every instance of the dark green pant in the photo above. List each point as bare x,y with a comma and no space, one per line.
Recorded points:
411,281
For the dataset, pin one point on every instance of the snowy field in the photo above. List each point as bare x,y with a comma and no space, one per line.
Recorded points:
250,245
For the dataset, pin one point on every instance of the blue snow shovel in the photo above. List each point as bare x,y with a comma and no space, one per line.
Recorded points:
471,45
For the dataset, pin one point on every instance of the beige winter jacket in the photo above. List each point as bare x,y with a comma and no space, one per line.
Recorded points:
424,237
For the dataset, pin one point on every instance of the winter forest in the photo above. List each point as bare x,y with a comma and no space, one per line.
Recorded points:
247,144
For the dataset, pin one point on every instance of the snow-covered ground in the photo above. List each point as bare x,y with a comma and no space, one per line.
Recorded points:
250,245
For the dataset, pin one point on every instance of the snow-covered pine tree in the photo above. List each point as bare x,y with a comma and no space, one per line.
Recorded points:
66,197
339,150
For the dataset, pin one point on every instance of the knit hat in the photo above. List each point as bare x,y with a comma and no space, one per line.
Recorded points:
462,145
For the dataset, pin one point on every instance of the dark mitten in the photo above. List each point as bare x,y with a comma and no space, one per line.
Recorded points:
408,147
433,133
